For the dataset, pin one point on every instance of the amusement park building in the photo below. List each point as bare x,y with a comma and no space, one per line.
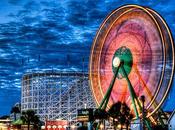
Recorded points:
56,95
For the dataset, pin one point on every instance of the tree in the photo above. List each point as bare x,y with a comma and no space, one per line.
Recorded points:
4,117
36,122
121,114
15,110
114,112
29,117
125,115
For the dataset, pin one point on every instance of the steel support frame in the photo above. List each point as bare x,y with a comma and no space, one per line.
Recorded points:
56,95
105,100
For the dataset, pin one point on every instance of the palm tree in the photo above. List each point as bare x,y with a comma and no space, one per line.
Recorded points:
29,117
15,110
36,122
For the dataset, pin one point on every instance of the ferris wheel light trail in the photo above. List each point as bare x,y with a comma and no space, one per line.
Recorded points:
138,43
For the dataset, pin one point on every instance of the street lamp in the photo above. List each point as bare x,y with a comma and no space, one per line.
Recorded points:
54,127
101,126
59,127
73,127
142,98
48,127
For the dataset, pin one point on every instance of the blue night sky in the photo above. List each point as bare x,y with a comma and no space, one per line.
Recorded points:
48,34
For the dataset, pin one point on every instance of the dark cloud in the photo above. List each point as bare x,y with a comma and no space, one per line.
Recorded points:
14,1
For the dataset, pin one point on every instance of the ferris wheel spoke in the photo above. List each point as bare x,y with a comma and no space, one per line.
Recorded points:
144,85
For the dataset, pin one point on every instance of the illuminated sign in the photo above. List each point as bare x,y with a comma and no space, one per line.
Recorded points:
85,115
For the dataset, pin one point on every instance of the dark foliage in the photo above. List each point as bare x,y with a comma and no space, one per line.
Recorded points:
29,117
15,110
100,114
4,117
121,114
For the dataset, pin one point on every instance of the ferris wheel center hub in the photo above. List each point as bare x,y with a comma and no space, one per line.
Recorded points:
116,62
122,56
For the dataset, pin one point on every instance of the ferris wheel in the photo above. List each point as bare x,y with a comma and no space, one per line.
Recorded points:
132,55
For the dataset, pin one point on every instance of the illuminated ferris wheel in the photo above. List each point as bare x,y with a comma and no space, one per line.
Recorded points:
132,55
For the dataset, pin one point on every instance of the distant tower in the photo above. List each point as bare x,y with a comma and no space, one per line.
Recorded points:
56,95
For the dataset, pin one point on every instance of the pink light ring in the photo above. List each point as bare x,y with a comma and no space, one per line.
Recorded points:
118,84
113,47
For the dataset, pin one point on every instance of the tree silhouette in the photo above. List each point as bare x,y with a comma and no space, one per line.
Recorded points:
115,110
125,115
29,117
15,110
120,113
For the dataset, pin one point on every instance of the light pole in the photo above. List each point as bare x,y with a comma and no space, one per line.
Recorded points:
143,110
102,126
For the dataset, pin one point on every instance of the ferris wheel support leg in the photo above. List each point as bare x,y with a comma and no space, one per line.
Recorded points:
133,96
131,92
105,100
